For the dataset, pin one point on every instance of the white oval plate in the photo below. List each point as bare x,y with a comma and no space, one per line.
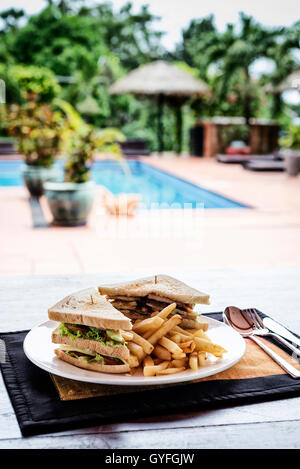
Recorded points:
40,350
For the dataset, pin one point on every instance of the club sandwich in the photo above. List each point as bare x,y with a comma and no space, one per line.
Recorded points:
143,297
92,332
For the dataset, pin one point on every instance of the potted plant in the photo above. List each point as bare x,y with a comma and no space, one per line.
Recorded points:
70,202
37,128
291,150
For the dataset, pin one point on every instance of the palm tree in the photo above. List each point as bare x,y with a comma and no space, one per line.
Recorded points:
237,52
285,63
232,53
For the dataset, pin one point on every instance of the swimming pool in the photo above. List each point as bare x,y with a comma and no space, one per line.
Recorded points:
158,189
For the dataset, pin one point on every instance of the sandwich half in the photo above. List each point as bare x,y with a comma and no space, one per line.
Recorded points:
91,332
141,298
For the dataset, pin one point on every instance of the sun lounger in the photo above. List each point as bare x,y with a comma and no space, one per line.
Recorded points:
134,147
265,165
241,159
7,148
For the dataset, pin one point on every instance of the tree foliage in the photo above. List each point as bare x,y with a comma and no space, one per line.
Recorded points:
87,48
225,60
21,80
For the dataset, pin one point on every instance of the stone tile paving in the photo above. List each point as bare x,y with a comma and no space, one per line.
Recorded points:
266,236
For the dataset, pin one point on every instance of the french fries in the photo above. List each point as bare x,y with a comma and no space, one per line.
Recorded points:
139,340
127,335
148,324
133,361
179,362
162,347
201,358
164,329
157,361
148,361
200,333
170,345
176,338
164,313
153,370
162,353
184,332
136,350
170,371
193,361
207,346
188,347
147,334
179,355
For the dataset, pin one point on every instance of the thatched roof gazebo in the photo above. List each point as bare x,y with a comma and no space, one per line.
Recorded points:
169,83
88,107
292,82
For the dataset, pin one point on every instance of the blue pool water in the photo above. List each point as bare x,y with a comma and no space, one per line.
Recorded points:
157,188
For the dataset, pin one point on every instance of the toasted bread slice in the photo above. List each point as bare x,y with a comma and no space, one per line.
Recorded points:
160,285
89,308
92,366
117,351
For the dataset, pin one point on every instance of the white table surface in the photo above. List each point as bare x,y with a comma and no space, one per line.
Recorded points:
24,302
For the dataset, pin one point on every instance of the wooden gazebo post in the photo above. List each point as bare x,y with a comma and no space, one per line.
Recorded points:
160,123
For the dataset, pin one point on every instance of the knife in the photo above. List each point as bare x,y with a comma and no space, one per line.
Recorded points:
281,330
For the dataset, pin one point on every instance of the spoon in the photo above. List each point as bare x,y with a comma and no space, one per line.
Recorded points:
251,321
240,321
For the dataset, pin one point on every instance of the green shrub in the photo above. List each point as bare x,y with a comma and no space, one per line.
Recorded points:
37,129
80,142
292,139
21,80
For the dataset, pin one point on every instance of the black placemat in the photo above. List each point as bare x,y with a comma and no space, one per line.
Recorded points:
39,410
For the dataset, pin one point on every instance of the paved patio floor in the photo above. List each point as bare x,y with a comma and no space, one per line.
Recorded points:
266,235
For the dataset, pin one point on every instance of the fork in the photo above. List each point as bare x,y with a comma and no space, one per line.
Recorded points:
261,330
230,315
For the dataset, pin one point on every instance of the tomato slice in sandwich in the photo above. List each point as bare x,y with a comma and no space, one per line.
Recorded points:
76,328
110,361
